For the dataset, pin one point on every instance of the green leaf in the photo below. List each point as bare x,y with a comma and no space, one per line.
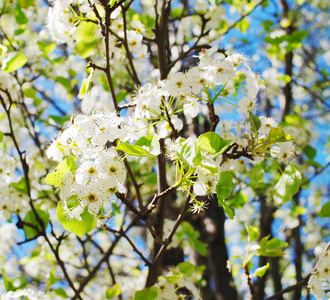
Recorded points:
85,39
60,292
134,150
151,141
186,268
237,201
285,78
1,136
13,61
177,13
325,211
310,152
52,279
243,25
147,294
3,50
257,176
60,120
20,17
26,3
288,185
31,219
112,292
173,278
65,82
192,236
87,224
57,177
261,271
230,211
213,143
253,232
14,284
277,135
225,185
20,186
254,122
46,47
273,247
86,85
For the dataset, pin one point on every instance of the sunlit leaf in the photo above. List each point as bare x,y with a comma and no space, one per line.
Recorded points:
112,292
13,61
147,294
87,224
288,185
30,218
325,210
261,271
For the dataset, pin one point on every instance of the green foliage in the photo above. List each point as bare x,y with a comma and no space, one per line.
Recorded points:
14,284
277,135
253,232
273,247
61,292
134,150
112,292
87,223
20,17
254,122
20,186
186,230
147,294
325,210
31,219
213,143
261,271
288,185
151,142
224,189
57,177
13,61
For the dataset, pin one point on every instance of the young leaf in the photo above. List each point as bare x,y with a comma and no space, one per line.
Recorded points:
20,17
273,247
13,61
230,211
254,122
277,135
134,150
87,224
61,292
147,294
261,271
186,268
213,143
325,210
31,219
112,292
253,232
225,185
57,177
288,185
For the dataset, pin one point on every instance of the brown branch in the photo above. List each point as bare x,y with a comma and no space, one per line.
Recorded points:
122,233
153,203
290,288
250,283
156,262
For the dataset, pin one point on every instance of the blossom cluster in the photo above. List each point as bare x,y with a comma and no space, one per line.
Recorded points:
319,282
12,200
64,22
100,169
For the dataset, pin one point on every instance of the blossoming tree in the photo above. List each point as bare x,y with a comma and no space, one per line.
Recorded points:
144,157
